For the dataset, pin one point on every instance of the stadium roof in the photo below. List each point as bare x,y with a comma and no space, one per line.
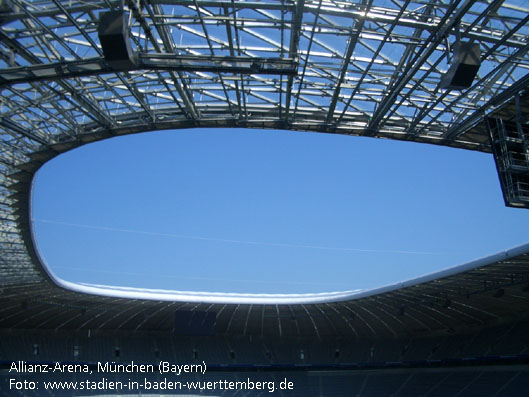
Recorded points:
370,68
367,67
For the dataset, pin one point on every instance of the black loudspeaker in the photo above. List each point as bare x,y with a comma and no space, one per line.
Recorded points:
113,34
465,66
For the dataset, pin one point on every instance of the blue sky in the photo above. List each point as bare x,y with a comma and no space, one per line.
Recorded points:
267,211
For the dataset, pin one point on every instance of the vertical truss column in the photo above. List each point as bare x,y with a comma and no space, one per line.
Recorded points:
510,145
295,33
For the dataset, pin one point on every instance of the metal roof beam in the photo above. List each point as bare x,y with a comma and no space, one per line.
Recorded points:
356,30
94,45
494,102
493,76
295,28
220,4
232,53
206,34
169,45
148,61
520,52
306,63
11,125
94,110
179,82
375,56
447,23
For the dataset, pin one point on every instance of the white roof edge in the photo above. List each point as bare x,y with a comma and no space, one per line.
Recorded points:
477,263
276,299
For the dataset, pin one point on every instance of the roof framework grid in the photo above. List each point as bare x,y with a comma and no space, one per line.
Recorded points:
368,67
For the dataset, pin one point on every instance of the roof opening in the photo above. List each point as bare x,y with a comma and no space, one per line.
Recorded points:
250,211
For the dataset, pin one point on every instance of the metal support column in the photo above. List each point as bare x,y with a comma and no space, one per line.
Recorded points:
510,145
